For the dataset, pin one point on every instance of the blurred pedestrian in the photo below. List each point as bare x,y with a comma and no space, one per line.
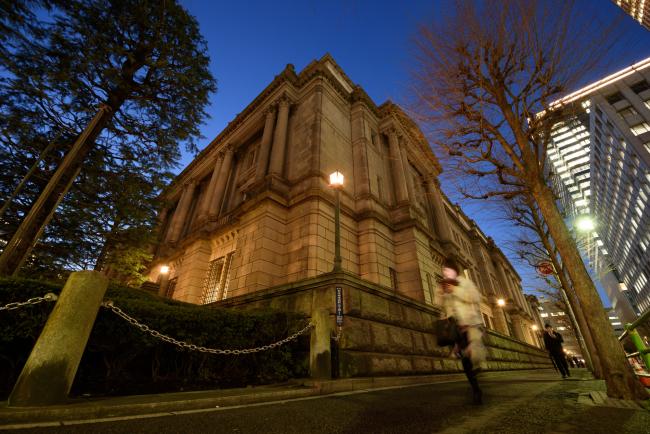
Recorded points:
461,301
553,343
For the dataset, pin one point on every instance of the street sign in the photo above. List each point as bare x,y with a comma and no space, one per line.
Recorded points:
339,306
545,268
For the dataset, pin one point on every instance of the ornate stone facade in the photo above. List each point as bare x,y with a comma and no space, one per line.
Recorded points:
254,210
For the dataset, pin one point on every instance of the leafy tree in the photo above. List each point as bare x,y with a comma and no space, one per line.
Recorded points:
485,74
117,85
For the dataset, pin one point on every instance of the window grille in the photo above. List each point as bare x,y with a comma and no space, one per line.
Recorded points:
217,281
171,287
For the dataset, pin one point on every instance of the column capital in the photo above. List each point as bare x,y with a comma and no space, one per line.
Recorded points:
283,101
270,110
432,180
390,131
190,183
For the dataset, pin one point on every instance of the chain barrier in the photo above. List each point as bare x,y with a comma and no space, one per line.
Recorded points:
31,302
192,347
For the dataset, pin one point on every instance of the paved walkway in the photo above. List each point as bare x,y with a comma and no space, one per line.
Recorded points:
515,402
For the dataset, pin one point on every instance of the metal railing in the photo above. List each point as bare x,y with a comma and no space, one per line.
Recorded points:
643,352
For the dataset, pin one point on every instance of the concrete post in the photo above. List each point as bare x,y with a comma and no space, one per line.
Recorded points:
320,359
49,372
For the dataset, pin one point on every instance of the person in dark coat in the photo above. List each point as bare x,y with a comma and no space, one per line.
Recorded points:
553,343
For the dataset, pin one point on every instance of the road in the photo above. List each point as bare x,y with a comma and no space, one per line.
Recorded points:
514,403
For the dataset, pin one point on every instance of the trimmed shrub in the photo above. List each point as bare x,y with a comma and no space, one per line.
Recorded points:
121,359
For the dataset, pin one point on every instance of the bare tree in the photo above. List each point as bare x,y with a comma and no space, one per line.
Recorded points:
535,245
485,73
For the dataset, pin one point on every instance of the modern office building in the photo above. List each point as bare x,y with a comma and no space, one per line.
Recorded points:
255,211
615,321
637,9
600,155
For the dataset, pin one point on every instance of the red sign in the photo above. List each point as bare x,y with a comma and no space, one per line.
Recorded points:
545,268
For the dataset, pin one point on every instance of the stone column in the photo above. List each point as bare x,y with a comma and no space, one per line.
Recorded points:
222,181
207,198
517,325
181,212
499,310
408,174
265,146
280,138
401,190
440,214
193,271
359,151
161,220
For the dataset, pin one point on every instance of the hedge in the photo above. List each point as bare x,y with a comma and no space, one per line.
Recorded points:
120,359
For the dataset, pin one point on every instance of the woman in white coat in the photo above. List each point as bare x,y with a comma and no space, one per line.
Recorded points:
461,301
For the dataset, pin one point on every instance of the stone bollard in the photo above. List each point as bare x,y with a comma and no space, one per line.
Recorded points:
48,374
320,362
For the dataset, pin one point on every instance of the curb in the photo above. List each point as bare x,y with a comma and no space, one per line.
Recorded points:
155,405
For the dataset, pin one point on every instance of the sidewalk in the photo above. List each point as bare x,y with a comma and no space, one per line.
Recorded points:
81,409
166,403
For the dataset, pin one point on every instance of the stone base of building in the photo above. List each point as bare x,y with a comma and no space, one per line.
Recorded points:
383,332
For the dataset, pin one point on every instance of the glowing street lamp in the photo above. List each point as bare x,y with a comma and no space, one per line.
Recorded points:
336,182
585,224
501,302
534,327
164,280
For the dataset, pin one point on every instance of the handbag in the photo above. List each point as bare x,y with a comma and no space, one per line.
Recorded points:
447,332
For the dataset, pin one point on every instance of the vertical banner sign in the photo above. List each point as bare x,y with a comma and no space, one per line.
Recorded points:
339,306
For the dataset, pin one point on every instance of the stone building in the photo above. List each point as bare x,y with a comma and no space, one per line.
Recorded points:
254,210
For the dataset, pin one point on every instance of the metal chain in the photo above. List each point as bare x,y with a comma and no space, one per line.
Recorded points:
145,328
32,301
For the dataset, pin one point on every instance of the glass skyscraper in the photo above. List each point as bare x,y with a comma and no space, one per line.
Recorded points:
600,158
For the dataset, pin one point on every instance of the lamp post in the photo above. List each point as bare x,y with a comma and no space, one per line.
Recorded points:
336,182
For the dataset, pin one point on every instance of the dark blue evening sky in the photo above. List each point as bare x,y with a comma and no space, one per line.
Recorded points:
250,42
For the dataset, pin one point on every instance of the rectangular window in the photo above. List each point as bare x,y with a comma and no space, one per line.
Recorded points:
171,287
641,128
380,188
216,283
486,321
627,111
432,290
393,278
614,98
640,86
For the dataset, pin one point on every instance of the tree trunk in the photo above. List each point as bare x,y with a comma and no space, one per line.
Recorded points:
20,245
619,377
582,325
577,316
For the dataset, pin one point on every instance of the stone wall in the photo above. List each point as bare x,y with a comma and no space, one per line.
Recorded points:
385,333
